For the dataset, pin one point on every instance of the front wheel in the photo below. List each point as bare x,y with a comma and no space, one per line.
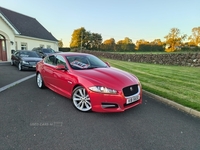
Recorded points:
19,67
39,80
11,62
81,99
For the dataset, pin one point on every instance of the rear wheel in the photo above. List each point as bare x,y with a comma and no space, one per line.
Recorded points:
39,80
81,99
11,62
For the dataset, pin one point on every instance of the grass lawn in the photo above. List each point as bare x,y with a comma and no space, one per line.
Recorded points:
177,83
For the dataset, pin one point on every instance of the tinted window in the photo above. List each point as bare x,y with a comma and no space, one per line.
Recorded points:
48,51
50,60
28,54
60,60
85,62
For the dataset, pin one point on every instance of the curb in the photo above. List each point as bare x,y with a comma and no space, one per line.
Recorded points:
174,104
2,63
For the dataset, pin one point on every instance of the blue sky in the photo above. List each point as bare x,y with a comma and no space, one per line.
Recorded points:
136,19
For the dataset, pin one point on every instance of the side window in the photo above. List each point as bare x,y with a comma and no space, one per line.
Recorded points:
50,60
60,60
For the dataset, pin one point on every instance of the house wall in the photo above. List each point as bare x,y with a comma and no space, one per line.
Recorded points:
34,42
14,41
8,33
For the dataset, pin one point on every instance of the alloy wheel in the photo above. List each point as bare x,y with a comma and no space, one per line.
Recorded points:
11,62
19,67
39,81
81,99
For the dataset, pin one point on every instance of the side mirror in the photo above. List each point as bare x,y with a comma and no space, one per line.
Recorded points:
107,63
61,67
12,51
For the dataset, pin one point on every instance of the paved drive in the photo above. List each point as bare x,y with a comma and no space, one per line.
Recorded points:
35,119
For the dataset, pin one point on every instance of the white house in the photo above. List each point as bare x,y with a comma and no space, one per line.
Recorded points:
18,31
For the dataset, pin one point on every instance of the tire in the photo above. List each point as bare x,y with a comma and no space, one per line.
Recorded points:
39,81
20,67
11,62
81,99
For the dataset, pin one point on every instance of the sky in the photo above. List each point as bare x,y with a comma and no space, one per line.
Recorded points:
135,19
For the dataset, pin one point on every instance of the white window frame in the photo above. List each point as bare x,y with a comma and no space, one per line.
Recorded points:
24,46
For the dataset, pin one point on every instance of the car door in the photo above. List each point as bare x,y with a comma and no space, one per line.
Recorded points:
16,58
62,79
48,69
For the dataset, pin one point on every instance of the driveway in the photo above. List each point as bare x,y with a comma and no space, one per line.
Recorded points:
10,74
32,119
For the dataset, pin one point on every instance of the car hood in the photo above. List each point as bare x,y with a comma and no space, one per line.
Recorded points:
110,77
31,58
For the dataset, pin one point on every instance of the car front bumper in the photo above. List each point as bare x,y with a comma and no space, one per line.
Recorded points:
112,102
28,67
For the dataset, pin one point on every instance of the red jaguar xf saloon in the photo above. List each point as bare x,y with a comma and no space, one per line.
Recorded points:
89,82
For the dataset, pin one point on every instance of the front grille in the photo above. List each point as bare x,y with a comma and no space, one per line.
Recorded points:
32,63
130,90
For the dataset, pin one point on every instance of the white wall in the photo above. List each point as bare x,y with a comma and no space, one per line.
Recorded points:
10,35
34,42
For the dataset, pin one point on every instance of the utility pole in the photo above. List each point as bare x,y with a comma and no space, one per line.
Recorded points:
81,40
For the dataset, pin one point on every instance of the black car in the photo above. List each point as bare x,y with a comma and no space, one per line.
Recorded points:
25,59
43,51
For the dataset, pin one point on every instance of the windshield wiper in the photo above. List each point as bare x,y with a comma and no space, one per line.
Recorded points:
91,67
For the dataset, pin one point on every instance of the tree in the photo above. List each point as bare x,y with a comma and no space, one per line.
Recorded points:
140,42
174,39
195,37
125,45
85,39
77,38
108,45
93,41
60,43
157,42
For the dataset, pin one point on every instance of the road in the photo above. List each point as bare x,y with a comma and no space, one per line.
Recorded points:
35,119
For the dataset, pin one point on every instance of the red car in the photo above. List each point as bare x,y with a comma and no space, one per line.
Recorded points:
91,83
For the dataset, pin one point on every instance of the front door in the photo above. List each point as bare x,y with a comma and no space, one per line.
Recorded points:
3,54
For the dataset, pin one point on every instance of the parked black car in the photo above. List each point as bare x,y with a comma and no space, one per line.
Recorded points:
25,59
42,52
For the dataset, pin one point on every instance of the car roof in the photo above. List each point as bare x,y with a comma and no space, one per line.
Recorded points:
72,54
24,51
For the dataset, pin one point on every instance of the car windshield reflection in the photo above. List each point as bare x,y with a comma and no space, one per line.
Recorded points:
28,54
85,62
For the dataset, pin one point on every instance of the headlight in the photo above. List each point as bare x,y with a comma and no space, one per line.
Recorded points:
101,89
24,62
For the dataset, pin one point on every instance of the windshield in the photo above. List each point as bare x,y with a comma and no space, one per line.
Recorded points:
81,62
48,51
28,54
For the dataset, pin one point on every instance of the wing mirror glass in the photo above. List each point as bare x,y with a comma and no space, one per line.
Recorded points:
12,51
107,63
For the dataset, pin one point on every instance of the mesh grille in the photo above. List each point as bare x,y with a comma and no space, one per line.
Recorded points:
130,90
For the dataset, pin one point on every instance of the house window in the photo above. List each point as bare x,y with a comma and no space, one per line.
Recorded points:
23,46
16,48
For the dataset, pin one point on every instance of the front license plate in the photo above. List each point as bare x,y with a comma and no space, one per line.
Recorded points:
34,66
132,99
